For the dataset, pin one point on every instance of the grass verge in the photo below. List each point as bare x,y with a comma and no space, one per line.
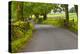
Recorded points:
17,44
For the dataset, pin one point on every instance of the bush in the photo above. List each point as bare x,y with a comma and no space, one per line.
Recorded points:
59,22
21,32
19,43
16,33
53,21
73,26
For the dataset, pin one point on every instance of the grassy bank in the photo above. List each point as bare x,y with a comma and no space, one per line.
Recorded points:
58,21
19,43
21,34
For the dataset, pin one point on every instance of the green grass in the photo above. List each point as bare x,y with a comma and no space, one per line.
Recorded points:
19,43
58,21
73,16
74,26
55,15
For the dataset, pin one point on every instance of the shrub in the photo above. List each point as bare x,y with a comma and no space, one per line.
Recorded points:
19,43
21,32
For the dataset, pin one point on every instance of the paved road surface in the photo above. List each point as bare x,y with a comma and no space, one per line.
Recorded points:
48,38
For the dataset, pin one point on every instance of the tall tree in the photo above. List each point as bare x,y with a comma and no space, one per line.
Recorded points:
66,13
42,9
76,9
72,10
46,8
36,10
20,11
28,12
65,8
13,11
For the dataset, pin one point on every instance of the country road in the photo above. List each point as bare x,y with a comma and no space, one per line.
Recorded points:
48,38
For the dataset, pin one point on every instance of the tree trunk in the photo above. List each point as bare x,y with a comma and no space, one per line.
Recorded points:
37,16
76,9
44,16
20,11
67,15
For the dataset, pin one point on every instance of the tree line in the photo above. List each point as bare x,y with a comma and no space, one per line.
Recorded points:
23,10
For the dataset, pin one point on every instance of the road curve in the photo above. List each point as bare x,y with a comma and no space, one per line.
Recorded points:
48,38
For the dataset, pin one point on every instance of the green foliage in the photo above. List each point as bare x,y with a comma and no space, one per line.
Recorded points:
58,21
13,10
54,21
18,44
73,26
27,9
73,16
23,10
16,32
73,21
72,10
20,34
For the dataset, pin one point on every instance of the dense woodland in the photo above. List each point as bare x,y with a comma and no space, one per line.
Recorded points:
40,13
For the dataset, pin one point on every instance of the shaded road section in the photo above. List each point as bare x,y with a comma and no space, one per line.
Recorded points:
48,38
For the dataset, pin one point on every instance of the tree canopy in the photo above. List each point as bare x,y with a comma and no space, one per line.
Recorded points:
28,9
